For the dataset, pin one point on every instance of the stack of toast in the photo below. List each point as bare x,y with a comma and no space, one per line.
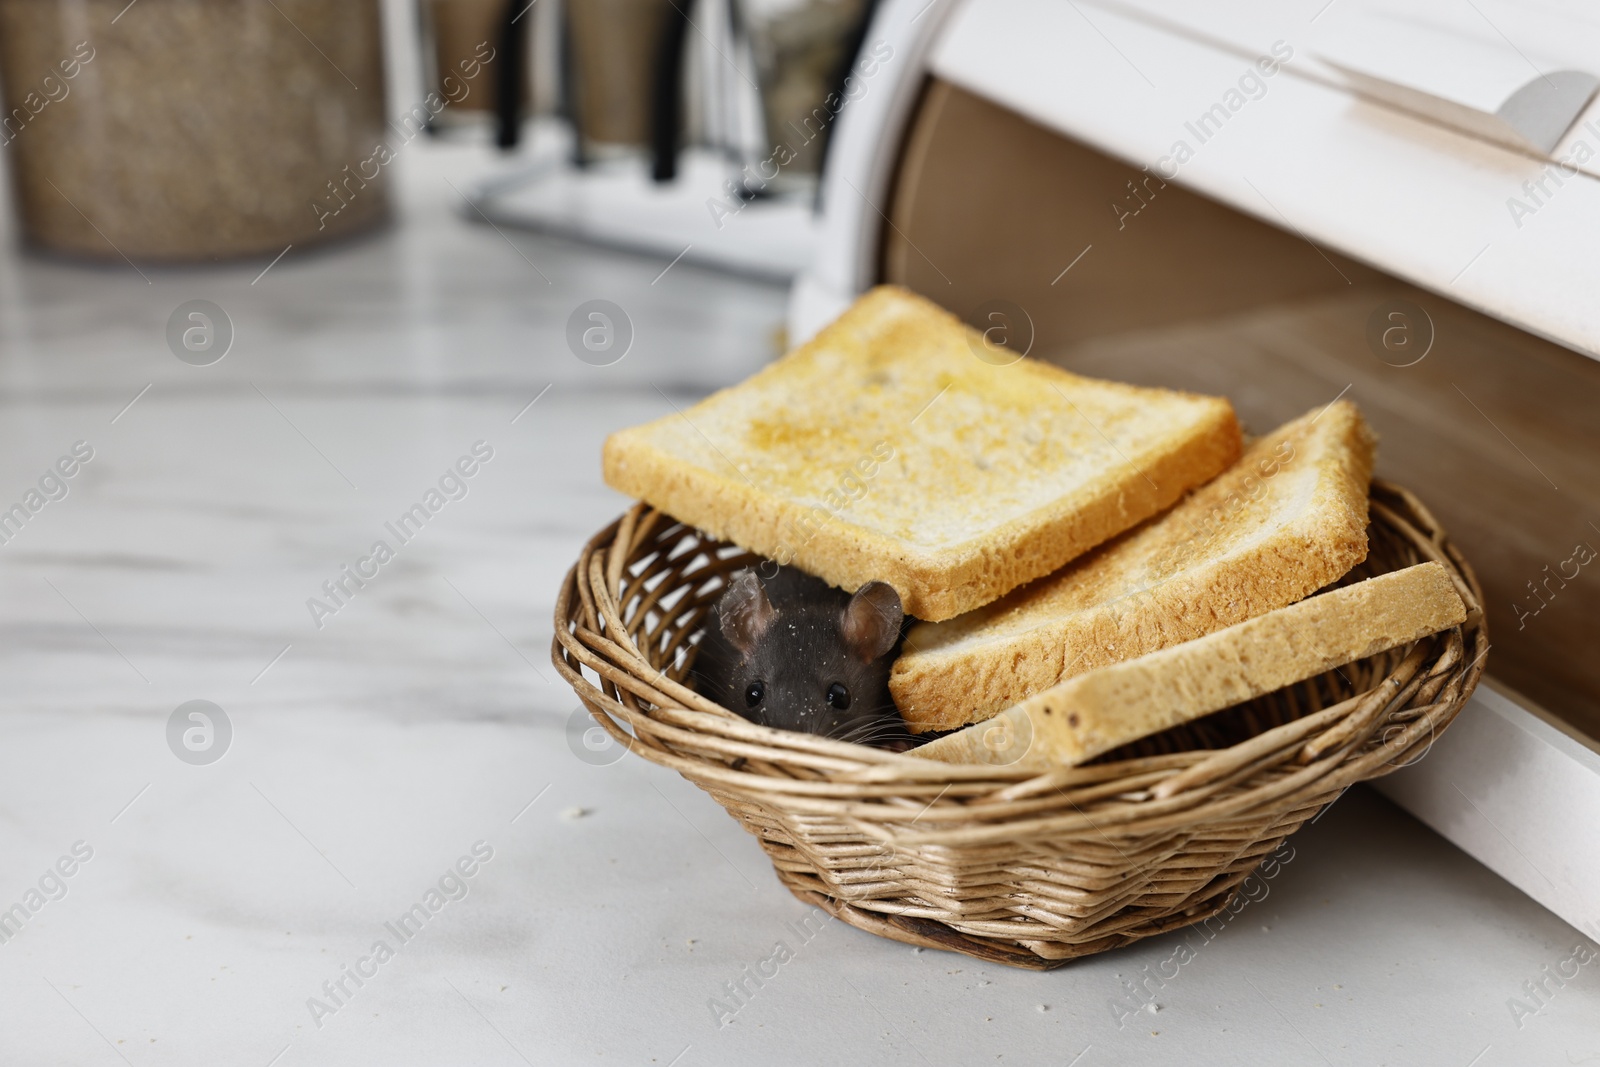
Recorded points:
1089,562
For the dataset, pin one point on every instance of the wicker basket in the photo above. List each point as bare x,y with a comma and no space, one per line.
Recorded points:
999,863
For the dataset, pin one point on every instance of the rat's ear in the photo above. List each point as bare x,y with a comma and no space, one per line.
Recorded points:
745,611
871,621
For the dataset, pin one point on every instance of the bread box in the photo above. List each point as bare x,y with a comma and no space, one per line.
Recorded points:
1214,197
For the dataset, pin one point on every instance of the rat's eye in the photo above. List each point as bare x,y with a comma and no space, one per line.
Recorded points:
753,694
838,697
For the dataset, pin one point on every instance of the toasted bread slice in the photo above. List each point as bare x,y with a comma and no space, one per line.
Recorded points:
1287,519
887,448
1094,713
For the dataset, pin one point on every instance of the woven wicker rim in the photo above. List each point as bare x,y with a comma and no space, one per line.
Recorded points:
1002,863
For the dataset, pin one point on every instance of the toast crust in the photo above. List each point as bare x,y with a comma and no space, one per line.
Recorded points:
1104,709
1287,519
885,449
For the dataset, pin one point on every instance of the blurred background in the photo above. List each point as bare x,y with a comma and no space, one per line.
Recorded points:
197,133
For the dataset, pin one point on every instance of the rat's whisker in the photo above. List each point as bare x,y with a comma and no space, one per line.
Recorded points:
875,732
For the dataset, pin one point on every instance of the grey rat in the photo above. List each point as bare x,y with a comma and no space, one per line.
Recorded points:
795,653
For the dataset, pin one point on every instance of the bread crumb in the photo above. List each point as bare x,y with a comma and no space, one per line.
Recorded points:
1042,1008
574,813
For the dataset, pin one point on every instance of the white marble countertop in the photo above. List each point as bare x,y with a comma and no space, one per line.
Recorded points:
423,718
